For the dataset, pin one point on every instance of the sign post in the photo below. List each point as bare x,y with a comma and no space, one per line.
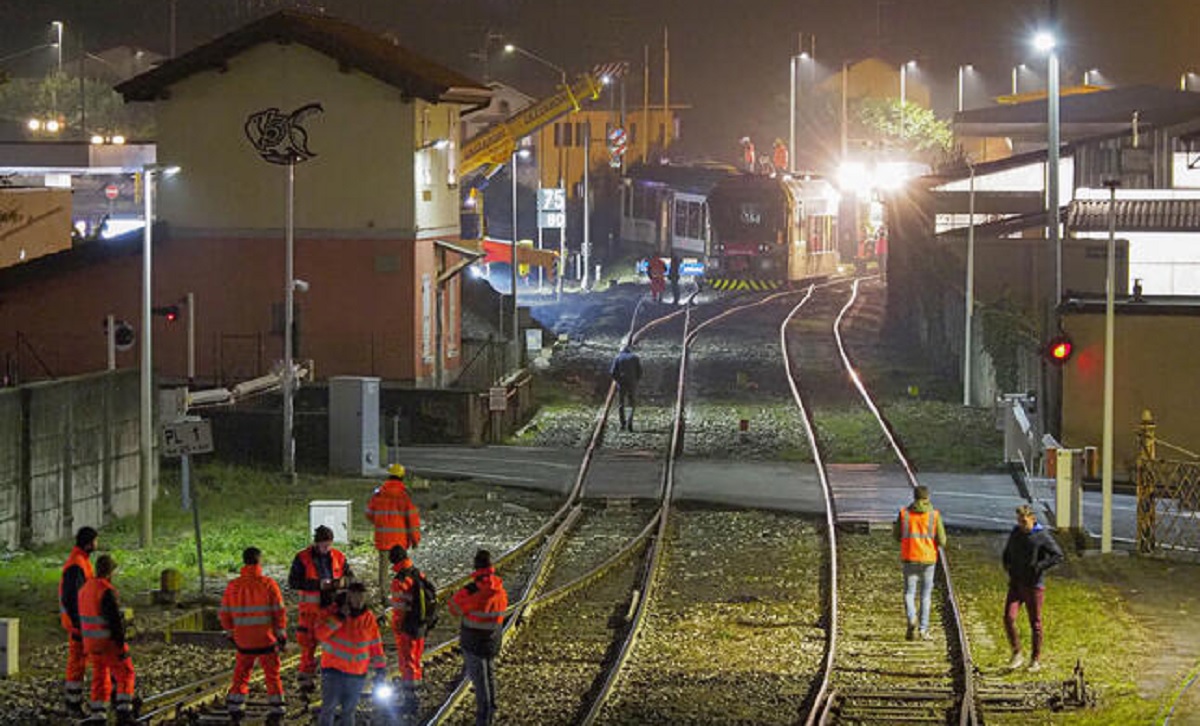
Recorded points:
552,213
184,438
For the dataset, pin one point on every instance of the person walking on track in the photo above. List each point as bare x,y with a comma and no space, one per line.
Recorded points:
253,616
626,370
397,522
413,604
317,573
350,646
920,532
673,276
103,629
481,604
76,572
656,269
1028,554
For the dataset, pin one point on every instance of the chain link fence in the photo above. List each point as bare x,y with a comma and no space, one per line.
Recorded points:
1168,491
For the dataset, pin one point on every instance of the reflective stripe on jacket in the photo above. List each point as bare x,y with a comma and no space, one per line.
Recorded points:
68,609
918,536
352,645
481,605
100,622
402,592
397,520
252,609
310,600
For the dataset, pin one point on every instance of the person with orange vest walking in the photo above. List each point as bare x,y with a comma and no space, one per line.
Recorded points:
920,531
103,630
412,615
76,572
481,604
397,522
253,616
350,645
317,573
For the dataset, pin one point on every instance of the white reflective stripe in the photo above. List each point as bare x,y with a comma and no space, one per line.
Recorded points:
393,530
309,596
484,626
252,620
97,634
274,698
250,608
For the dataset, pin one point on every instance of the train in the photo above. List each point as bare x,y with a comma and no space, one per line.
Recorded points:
741,231
770,231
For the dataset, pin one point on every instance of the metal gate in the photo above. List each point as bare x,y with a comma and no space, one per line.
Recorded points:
1168,491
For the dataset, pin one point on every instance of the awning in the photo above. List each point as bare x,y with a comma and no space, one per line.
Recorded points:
498,250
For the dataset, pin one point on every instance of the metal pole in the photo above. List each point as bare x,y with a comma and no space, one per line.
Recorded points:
903,80
845,108
191,342
792,112
146,420
587,205
110,334
1052,177
1014,79
541,270
562,238
968,340
185,482
59,26
289,449
196,530
173,46
516,327
960,89
1106,486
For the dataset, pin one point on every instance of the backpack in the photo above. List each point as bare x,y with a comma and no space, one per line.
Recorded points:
423,615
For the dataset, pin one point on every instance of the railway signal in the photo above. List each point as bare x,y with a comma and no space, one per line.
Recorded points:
169,312
1059,349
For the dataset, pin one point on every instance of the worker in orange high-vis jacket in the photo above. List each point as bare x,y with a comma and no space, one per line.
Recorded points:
397,522
76,571
350,646
920,532
481,604
317,573
253,616
103,630
413,613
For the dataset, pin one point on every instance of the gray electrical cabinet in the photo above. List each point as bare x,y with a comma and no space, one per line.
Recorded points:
354,425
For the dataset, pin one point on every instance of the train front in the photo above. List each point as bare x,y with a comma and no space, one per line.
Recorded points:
749,245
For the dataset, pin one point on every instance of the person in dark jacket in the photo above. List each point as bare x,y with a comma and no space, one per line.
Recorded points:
318,573
482,605
1029,553
673,276
626,371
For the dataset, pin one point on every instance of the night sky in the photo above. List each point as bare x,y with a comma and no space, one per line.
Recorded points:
729,58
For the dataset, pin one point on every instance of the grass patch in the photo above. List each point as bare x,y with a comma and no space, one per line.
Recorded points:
239,507
943,436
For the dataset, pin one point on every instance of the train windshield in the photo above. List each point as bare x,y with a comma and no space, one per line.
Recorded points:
748,215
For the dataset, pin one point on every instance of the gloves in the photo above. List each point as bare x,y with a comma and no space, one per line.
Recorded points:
281,642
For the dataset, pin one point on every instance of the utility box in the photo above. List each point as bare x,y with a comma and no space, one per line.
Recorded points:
1068,499
10,645
354,425
334,514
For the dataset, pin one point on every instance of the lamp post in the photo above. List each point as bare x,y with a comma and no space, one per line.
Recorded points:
795,67
904,91
1016,75
970,291
1106,481
58,29
1046,41
512,48
962,71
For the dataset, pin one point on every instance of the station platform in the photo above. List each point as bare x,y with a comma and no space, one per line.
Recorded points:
967,501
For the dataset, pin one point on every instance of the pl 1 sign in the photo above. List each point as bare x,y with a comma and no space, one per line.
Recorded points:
186,438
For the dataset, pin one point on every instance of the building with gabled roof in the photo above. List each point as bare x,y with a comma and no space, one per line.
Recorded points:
371,131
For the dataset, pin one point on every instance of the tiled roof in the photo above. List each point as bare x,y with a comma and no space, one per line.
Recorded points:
1136,215
353,47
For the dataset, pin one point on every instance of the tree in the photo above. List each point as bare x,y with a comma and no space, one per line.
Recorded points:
102,110
911,128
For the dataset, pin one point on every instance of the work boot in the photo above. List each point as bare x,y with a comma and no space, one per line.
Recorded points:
911,633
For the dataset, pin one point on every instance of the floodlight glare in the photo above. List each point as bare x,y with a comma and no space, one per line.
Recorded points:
1044,41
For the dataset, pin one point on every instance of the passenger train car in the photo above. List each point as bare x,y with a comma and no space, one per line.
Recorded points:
768,231
664,208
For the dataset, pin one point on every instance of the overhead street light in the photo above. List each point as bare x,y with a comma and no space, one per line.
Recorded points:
904,90
512,48
795,68
1046,42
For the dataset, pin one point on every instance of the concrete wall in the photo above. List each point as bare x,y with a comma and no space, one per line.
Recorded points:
69,456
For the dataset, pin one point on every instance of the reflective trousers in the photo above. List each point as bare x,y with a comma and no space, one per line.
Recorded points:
409,651
106,668
236,700
306,637
76,670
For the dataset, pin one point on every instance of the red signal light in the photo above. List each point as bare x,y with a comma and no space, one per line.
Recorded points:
169,312
1059,349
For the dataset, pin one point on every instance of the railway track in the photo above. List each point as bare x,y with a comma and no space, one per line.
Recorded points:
871,674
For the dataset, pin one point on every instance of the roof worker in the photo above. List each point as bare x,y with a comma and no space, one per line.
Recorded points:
103,628
920,531
397,522
350,646
317,573
481,604
76,571
253,616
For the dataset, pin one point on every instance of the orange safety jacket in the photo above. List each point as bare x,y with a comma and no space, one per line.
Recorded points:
352,645
396,519
481,605
100,618
252,610
918,536
310,600
68,609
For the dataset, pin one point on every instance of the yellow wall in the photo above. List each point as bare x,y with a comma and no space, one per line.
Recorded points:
1152,370
363,176
567,162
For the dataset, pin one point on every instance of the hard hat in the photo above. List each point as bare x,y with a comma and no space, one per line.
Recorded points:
396,470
